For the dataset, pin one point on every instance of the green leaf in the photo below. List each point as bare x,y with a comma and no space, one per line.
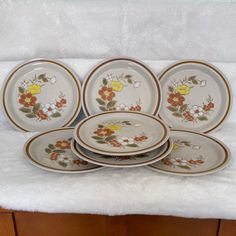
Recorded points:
171,89
111,104
130,81
63,164
69,139
100,126
128,76
104,81
183,108
192,79
202,118
186,143
109,138
102,108
59,151
51,146
30,115
47,150
132,145
45,80
25,110
173,109
100,101
97,138
36,107
55,115
42,76
126,122
21,90
184,167
101,142
142,155
177,114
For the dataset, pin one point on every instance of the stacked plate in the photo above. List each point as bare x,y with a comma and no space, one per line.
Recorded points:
129,115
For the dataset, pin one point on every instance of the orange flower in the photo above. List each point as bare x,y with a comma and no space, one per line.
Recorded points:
176,99
80,162
41,115
166,161
187,115
104,132
27,100
106,93
115,143
63,144
140,138
54,156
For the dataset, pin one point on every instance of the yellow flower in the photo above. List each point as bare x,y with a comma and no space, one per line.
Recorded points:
183,89
175,146
34,89
117,86
114,127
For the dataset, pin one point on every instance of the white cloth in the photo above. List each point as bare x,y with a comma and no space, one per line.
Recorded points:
115,191
146,29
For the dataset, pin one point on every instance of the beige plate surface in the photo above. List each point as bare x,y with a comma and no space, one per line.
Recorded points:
122,161
193,154
196,96
51,151
41,94
121,84
121,133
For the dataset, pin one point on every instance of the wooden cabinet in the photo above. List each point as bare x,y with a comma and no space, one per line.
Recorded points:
17,223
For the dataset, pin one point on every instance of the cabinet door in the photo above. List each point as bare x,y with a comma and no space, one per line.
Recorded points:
43,224
6,224
227,228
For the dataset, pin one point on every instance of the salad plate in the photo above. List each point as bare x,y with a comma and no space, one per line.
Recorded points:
121,133
41,94
196,96
193,154
122,161
122,84
51,151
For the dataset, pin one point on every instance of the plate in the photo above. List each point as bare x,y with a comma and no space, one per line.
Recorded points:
193,154
196,96
51,151
122,161
121,84
41,94
121,133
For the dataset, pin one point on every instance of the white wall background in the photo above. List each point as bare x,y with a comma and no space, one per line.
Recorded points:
146,29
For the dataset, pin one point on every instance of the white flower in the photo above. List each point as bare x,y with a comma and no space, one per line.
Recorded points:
137,84
49,109
137,124
123,107
65,158
110,77
53,80
196,111
126,140
202,83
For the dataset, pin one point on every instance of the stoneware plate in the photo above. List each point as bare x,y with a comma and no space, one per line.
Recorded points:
121,133
193,154
196,96
51,151
121,84
122,161
41,94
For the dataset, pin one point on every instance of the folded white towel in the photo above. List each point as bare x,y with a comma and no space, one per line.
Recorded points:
115,191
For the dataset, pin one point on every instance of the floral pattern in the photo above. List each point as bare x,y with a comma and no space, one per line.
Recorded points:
107,134
125,158
110,86
177,92
60,152
181,162
28,100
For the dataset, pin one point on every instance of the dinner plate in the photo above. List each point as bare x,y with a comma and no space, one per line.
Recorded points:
41,94
121,133
51,151
193,154
196,96
121,84
122,161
